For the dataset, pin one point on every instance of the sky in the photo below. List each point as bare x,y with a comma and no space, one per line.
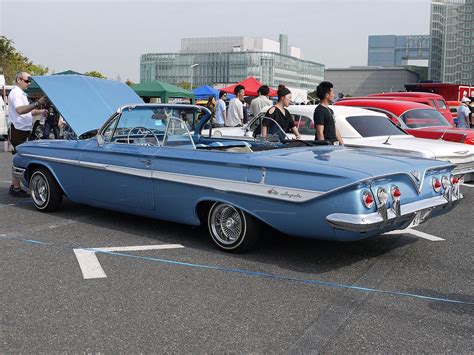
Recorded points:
110,35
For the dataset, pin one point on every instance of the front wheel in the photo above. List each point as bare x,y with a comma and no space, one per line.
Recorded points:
45,191
232,229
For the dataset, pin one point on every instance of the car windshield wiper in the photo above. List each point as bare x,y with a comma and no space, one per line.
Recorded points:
386,142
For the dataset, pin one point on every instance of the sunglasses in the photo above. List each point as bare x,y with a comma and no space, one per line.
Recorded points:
28,81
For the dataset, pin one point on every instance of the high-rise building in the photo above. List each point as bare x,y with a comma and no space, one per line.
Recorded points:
452,41
224,60
392,50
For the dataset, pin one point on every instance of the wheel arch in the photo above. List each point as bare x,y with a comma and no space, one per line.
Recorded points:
204,205
35,165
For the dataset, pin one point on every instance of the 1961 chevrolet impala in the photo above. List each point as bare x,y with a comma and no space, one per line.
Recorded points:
144,161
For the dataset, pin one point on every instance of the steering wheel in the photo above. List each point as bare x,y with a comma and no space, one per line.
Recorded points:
140,130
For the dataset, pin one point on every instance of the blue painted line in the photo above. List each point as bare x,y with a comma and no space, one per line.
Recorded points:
261,274
35,242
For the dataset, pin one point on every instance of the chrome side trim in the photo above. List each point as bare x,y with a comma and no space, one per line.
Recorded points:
56,160
373,221
145,173
249,188
243,187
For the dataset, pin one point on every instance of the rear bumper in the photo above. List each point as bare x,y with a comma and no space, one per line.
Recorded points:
421,210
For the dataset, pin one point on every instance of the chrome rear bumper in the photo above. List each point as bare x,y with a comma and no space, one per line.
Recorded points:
373,221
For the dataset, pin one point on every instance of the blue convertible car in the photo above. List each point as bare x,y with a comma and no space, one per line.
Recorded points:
144,161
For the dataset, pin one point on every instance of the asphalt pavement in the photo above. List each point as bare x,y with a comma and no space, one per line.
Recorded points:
404,293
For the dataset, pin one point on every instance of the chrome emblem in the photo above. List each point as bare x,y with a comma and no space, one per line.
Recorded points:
416,174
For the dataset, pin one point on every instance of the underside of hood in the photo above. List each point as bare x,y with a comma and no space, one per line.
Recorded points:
85,102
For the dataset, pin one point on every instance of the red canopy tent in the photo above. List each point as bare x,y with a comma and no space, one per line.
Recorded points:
251,86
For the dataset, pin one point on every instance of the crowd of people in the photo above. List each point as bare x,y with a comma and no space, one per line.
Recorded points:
239,112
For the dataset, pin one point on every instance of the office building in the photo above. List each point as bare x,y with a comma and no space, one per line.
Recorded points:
452,41
361,81
226,60
391,50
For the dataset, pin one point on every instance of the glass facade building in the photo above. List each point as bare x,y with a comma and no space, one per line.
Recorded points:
391,50
452,47
226,60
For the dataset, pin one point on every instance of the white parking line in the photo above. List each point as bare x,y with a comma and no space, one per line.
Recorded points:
416,233
90,266
467,185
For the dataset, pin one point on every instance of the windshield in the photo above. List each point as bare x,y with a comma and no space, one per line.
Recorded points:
274,131
149,125
424,118
374,126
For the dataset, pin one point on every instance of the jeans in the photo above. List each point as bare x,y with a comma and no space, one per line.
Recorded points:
48,126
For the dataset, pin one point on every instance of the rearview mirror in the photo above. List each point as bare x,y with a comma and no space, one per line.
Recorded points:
100,140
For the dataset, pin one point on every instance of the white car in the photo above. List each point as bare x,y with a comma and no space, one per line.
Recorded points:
367,129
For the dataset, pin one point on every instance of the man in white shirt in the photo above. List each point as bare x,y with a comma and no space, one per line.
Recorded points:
235,114
221,113
260,102
20,115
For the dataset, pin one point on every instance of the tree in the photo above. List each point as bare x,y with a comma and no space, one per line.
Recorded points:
184,85
12,61
95,74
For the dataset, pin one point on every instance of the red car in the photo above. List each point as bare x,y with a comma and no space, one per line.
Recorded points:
428,98
417,119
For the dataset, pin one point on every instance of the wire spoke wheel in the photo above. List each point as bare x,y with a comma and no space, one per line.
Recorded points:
39,190
231,228
226,224
45,191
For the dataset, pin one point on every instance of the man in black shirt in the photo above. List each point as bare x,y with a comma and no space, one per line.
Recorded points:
324,117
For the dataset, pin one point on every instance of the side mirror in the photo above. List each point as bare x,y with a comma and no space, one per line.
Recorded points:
100,140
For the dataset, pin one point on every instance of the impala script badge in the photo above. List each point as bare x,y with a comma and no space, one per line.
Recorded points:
286,194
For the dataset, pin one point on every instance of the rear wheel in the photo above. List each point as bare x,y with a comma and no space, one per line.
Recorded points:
45,191
232,229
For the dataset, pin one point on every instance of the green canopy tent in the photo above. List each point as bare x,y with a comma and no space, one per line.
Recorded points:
34,88
162,90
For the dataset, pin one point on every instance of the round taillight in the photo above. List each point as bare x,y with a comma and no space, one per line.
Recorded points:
396,193
368,199
436,185
454,180
445,182
382,195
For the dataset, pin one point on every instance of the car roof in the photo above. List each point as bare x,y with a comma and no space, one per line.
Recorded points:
395,106
409,94
424,100
338,110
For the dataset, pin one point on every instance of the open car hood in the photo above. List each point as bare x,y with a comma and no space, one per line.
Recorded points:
85,102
